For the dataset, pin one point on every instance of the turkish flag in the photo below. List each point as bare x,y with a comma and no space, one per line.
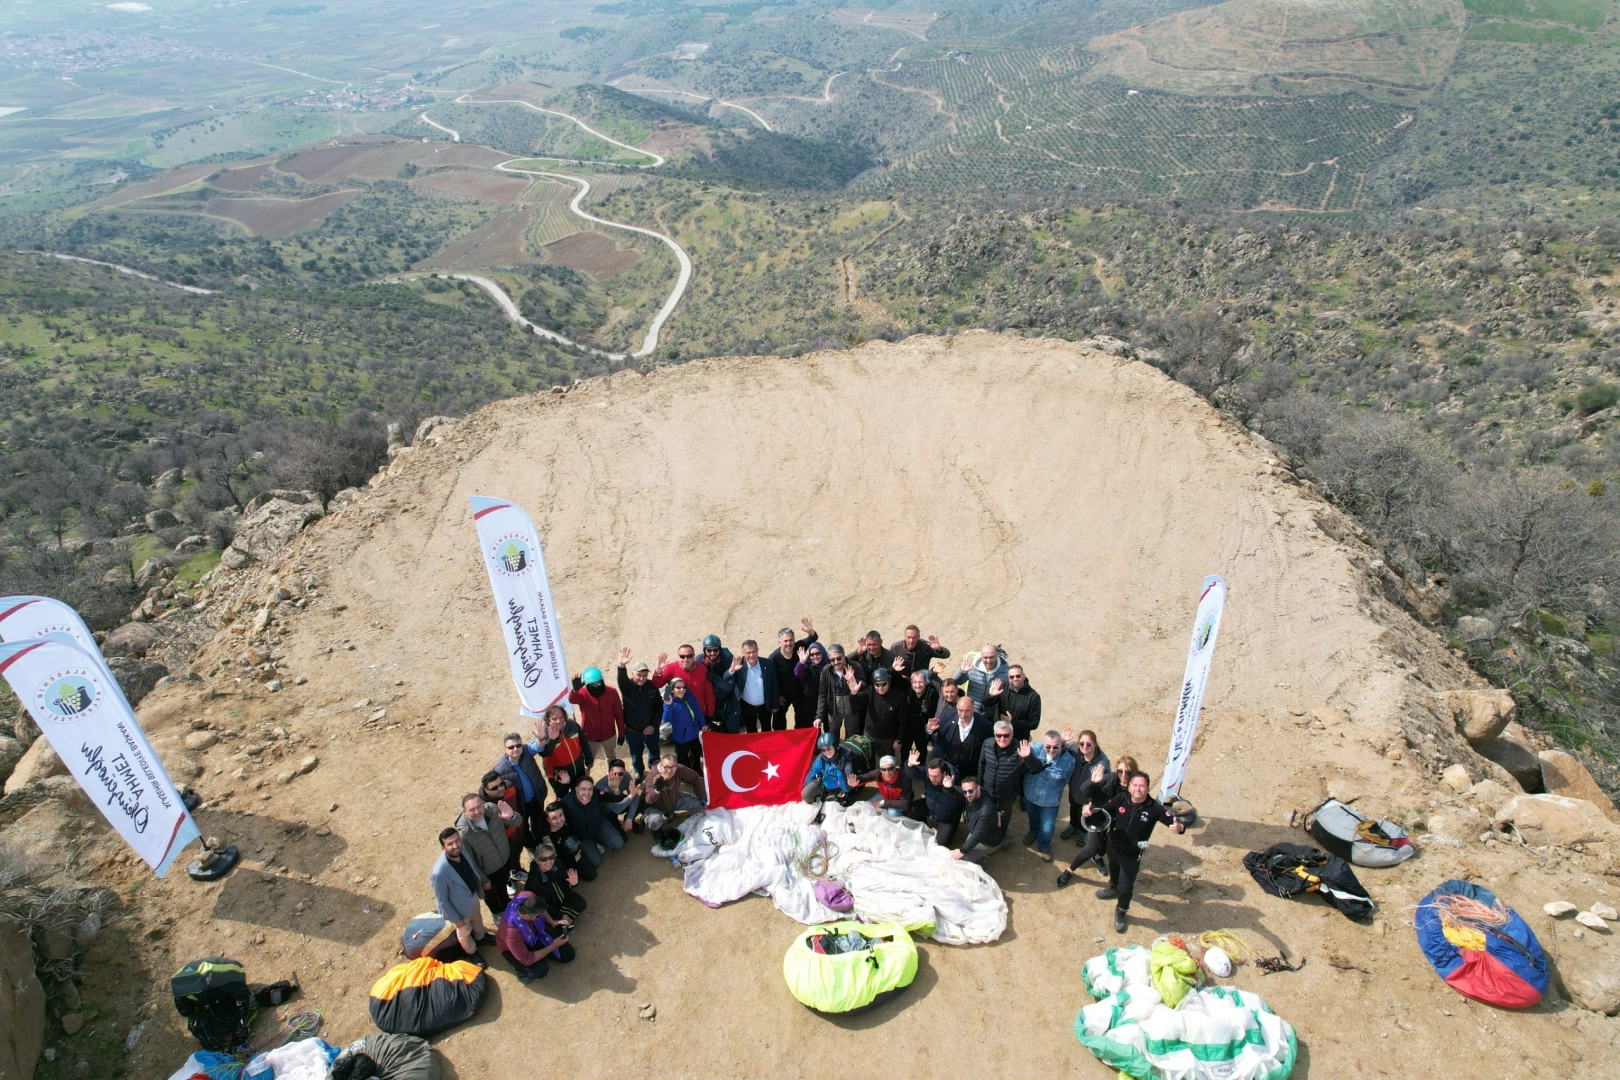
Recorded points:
766,769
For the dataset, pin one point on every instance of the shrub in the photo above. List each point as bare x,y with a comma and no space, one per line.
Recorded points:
1597,397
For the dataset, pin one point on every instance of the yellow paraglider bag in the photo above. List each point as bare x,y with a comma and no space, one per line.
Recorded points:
844,966
1172,972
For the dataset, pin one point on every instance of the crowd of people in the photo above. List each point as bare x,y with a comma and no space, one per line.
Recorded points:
960,750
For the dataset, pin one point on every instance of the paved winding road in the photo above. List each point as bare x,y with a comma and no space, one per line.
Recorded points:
649,344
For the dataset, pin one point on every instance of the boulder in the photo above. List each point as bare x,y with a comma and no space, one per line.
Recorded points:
1472,628
1589,968
286,495
234,559
431,425
268,528
1480,715
1457,779
168,479
1563,774
1555,819
11,752
1490,795
136,677
150,573
191,545
201,740
38,763
1457,826
132,639
1517,758
160,519
22,1003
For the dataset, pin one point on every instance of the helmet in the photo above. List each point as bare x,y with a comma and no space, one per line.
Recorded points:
1217,962
711,641
887,762
880,675
1096,821
825,740
591,675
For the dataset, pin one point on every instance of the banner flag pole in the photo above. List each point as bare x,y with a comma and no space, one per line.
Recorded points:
510,545
1206,626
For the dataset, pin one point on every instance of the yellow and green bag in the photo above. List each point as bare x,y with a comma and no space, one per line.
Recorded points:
847,981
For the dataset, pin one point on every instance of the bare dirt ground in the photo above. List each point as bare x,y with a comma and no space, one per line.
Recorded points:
277,218
1059,501
591,252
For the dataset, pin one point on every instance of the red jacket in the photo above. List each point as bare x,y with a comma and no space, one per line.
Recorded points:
697,682
601,718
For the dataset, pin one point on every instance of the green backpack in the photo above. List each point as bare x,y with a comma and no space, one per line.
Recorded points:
213,995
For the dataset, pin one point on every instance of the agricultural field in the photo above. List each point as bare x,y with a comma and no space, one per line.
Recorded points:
1372,47
1023,120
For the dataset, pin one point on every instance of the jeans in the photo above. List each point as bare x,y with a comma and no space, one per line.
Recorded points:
607,838
1043,822
754,717
640,742
685,803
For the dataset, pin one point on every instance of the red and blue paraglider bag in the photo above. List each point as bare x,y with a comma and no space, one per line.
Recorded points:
1480,946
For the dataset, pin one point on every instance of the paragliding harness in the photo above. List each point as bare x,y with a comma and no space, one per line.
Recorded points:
213,995
1292,870
1356,837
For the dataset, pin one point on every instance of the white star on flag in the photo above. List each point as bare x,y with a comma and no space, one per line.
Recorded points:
771,770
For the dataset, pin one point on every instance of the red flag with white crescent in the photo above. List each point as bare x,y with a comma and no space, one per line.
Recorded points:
766,769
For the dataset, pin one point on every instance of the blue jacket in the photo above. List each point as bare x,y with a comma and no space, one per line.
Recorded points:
684,717
829,772
1047,780
455,901
767,674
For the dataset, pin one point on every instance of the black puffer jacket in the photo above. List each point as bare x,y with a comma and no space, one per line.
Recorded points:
1001,770
643,705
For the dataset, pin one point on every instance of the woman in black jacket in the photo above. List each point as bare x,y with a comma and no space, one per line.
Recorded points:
1101,791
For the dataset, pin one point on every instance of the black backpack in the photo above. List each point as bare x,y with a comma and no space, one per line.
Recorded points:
213,995
1291,870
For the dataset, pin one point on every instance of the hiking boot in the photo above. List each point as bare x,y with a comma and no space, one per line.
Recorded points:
1029,839
1107,892
1102,867
1044,856
1069,833
1065,877
1119,921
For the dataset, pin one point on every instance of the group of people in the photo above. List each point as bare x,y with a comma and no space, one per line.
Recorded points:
970,739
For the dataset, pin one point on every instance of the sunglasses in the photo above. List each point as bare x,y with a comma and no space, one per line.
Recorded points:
546,859
688,656
1000,737
514,746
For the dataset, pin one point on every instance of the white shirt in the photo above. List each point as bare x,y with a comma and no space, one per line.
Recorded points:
753,684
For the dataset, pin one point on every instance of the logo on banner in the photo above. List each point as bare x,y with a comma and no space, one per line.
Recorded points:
67,697
511,557
1206,627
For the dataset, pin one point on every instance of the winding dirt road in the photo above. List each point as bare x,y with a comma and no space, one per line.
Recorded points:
649,344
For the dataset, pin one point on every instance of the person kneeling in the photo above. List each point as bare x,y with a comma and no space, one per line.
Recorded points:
893,794
942,804
529,936
830,776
